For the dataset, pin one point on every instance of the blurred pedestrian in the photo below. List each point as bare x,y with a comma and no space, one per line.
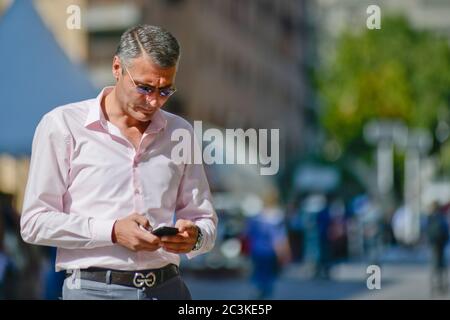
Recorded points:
53,281
296,232
9,275
337,230
102,177
438,235
323,265
268,246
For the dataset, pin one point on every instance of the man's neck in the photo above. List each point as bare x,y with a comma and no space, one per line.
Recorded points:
114,114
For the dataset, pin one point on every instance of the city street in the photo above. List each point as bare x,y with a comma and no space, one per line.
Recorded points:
308,138
403,276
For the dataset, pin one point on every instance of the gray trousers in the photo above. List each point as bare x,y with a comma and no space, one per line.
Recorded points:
172,289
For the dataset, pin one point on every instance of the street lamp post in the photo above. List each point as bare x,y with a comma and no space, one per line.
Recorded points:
383,133
417,144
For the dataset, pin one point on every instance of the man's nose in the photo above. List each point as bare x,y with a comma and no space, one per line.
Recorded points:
153,100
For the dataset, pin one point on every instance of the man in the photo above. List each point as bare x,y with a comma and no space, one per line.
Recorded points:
101,178
438,234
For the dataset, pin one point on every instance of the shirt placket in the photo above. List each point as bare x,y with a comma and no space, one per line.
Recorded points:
138,195
138,192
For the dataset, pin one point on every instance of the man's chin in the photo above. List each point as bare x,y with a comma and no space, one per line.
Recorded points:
144,112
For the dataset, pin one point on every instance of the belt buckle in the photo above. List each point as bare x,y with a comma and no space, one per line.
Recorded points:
140,280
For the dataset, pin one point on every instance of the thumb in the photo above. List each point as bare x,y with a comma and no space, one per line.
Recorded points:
184,225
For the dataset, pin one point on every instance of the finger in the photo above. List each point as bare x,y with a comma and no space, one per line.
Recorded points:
177,251
176,248
149,229
179,238
147,237
188,229
185,243
141,220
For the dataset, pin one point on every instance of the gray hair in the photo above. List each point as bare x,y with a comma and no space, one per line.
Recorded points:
159,44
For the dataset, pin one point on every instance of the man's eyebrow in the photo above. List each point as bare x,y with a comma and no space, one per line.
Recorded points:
143,83
151,86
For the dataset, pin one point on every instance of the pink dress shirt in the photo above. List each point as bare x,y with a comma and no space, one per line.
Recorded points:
84,175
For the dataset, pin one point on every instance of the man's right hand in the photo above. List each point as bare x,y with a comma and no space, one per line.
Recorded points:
128,233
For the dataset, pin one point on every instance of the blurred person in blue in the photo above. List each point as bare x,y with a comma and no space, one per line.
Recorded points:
296,229
437,230
53,281
268,245
337,231
317,226
102,178
324,225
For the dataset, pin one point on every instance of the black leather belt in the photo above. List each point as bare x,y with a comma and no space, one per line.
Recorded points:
136,279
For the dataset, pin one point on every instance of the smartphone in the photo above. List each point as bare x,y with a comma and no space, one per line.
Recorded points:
165,231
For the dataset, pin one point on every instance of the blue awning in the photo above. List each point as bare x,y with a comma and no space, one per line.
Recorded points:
36,76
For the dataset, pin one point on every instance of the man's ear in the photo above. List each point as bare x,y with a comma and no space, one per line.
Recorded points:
116,67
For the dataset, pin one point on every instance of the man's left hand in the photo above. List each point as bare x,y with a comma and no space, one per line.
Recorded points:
184,241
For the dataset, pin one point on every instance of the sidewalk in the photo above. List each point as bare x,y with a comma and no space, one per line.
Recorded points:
404,275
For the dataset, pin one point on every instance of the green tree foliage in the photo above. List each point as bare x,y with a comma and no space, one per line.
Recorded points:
396,72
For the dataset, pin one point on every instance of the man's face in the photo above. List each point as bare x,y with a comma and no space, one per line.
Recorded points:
145,73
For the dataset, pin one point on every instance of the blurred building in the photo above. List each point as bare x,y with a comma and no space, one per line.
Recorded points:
104,22
4,4
55,15
38,62
241,63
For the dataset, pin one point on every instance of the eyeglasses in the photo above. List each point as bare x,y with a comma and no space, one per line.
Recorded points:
148,90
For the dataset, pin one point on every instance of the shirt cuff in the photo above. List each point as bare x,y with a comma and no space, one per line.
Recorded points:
101,232
201,250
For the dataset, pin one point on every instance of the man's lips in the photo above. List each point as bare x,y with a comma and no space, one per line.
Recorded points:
145,110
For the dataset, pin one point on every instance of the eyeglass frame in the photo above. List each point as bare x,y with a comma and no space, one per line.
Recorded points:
152,88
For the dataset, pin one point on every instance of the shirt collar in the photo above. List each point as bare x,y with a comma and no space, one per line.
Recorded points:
158,123
95,115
